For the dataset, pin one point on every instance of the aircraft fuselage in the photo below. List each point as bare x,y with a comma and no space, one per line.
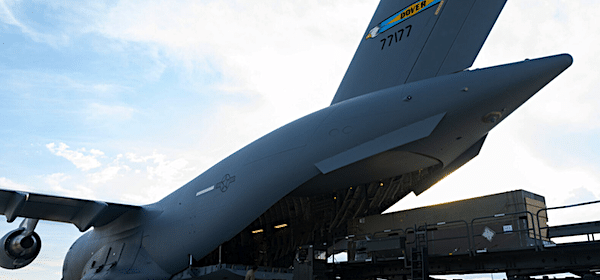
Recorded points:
373,136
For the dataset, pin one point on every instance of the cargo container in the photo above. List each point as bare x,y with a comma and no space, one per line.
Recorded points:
504,221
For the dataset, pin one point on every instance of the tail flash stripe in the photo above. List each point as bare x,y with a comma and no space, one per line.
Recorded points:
401,16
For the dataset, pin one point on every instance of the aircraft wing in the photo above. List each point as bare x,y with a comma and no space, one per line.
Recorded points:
82,213
410,40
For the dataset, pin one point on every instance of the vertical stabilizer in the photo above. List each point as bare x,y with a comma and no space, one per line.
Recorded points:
412,40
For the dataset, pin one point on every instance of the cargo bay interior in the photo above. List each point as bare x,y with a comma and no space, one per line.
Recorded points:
505,232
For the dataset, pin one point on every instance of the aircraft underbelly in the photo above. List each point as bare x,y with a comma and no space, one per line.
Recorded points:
381,166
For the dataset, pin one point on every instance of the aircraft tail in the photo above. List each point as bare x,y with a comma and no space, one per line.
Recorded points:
410,40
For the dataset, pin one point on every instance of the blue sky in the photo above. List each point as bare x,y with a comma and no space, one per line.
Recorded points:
125,101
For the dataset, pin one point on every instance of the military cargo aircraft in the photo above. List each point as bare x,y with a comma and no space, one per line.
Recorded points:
407,113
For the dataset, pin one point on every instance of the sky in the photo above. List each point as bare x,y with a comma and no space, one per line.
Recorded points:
126,101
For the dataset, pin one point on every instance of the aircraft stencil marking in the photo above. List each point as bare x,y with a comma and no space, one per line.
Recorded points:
401,16
437,11
205,190
223,185
397,36
225,182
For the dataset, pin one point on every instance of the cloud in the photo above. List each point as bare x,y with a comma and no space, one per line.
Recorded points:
8,184
8,17
105,175
78,158
126,178
56,181
135,158
166,170
580,194
111,172
252,57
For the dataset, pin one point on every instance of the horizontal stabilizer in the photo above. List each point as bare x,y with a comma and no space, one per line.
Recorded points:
404,135
461,160
82,213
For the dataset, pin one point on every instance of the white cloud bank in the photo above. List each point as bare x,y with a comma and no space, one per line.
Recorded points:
78,157
6,183
129,178
285,58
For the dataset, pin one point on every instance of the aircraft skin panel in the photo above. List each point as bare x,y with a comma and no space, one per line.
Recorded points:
434,49
439,39
472,35
384,165
451,19
83,213
461,160
404,135
295,138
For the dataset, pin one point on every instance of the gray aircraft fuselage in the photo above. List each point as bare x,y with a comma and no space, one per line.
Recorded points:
359,140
